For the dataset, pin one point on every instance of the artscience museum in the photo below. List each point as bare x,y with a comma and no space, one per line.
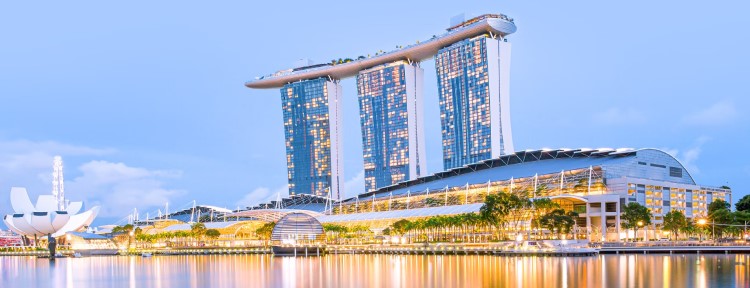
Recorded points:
48,217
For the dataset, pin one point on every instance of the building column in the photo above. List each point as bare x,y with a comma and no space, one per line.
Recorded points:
617,220
604,219
588,221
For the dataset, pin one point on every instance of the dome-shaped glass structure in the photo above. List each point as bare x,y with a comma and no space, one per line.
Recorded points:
297,228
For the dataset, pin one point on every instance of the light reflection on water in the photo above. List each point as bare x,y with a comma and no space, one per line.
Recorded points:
379,271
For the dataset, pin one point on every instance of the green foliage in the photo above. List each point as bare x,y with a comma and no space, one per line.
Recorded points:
675,221
494,211
634,213
264,232
400,227
717,205
743,204
542,206
213,233
558,220
198,229
126,229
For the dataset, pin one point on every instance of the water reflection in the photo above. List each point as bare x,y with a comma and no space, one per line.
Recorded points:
379,271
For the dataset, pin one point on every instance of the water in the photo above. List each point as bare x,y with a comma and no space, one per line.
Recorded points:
379,271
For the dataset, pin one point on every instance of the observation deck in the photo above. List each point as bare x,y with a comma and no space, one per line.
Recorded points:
494,24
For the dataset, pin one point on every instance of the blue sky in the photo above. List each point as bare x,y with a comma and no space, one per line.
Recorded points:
145,99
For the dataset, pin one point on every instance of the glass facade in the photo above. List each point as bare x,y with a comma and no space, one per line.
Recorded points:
469,90
311,116
389,98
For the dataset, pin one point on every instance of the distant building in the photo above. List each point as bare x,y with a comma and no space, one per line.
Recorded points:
473,89
390,109
312,115
595,183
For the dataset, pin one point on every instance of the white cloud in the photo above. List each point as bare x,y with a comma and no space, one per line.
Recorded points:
25,154
720,113
689,157
118,188
618,115
261,195
354,186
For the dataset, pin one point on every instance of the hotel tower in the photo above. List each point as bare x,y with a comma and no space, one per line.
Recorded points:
472,60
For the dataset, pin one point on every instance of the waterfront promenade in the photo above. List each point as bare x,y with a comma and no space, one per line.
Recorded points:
498,249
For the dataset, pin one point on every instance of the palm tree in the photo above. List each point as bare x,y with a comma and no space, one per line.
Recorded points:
492,212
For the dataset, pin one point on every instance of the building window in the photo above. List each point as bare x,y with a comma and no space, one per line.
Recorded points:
675,172
658,165
641,163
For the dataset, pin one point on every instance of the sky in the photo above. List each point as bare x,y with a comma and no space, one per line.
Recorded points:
145,101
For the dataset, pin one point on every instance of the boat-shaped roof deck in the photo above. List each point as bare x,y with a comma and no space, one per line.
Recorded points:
494,24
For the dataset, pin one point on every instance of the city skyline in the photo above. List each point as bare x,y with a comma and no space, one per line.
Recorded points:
160,140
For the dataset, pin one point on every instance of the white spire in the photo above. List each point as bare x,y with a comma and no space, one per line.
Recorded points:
278,200
58,183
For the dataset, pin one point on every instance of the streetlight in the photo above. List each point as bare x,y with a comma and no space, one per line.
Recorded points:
701,222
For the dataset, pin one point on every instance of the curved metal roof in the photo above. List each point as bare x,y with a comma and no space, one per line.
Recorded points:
272,215
616,162
417,52
209,225
401,214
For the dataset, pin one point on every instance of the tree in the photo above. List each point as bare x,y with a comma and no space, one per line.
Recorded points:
400,227
718,205
635,215
519,208
387,231
493,212
742,218
198,230
265,231
123,232
213,234
335,231
674,221
719,213
743,204
542,206
558,220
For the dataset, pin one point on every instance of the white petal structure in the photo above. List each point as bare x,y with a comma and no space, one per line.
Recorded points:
46,203
74,208
20,201
43,218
